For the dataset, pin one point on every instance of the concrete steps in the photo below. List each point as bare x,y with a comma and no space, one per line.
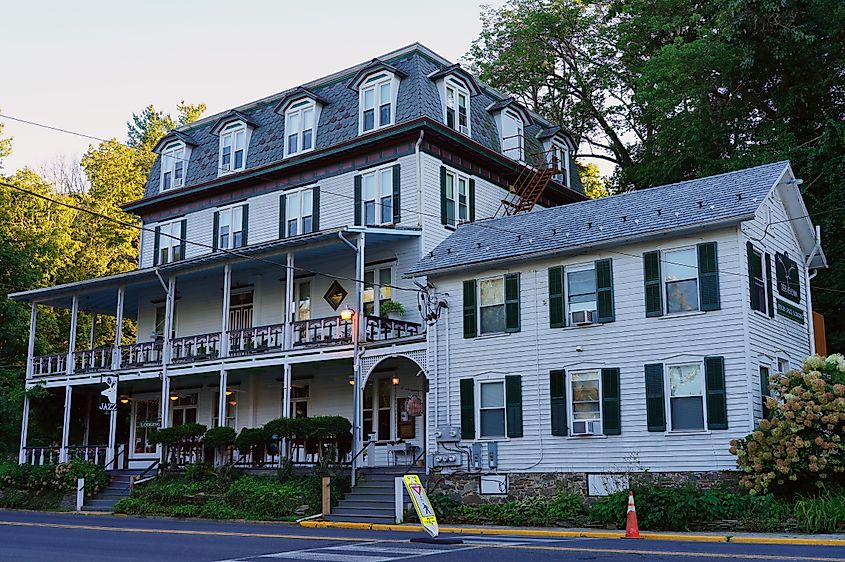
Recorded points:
117,489
372,498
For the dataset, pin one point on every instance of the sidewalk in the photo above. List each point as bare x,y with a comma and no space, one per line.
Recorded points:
742,538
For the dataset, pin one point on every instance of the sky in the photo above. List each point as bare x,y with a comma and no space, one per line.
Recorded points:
88,65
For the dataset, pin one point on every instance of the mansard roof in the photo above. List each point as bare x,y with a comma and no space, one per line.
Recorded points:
458,71
418,97
296,94
372,67
173,136
689,206
511,103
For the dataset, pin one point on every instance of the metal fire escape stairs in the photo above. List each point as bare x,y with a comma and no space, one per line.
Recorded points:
526,190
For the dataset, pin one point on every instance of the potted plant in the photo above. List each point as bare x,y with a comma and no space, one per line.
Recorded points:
391,309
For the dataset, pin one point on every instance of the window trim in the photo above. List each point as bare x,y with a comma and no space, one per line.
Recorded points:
171,242
176,407
584,266
299,217
664,260
455,203
377,172
667,392
513,115
216,412
504,408
376,270
570,397
480,280
225,209
230,130
763,297
564,176
170,152
374,81
459,89
300,107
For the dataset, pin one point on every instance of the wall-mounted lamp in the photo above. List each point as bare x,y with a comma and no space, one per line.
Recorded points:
124,399
347,313
351,380
394,380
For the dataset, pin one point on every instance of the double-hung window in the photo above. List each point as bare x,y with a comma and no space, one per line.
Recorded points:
299,127
173,166
686,397
378,196
758,281
170,246
231,410
299,210
230,230
457,107
233,148
376,102
456,198
184,408
377,281
491,409
560,161
586,402
491,305
681,279
512,136
581,293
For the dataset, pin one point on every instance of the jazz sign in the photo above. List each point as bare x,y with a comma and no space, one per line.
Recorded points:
424,510
110,394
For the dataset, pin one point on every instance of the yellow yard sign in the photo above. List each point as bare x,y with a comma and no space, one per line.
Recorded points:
424,510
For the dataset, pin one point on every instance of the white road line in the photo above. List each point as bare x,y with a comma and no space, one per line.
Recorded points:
328,556
386,549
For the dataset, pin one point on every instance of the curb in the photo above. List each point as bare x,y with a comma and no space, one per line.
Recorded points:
580,534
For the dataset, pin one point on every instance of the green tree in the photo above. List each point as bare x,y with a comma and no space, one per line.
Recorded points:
5,146
595,186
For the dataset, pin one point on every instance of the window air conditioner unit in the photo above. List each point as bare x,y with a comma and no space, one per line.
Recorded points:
583,427
583,317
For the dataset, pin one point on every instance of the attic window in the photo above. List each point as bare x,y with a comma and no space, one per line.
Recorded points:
559,159
300,127
513,145
173,164
456,106
377,102
233,142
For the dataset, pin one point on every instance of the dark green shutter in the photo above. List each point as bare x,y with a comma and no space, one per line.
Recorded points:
513,405
467,409
443,215
245,226
557,395
512,302
470,312
755,297
557,304
215,230
157,245
315,210
708,276
358,206
653,292
764,389
610,402
604,290
183,238
770,295
397,208
655,402
283,206
472,200
717,404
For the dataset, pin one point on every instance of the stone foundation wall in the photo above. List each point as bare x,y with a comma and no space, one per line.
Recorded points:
529,484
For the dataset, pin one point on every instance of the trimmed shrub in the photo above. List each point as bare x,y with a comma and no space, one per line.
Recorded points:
43,487
532,511
249,438
219,437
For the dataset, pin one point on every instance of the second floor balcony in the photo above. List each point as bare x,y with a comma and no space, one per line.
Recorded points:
237,309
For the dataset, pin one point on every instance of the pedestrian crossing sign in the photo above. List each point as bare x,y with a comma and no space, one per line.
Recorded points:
424,510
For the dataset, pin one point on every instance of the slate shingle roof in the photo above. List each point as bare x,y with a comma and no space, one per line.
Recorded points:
418,96
733,196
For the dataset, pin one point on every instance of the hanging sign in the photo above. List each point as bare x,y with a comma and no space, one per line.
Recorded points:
149,424
789,311
110,394
414,406
788,282
107,407
421,504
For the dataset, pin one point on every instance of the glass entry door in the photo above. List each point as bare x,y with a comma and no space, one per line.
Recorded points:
146,420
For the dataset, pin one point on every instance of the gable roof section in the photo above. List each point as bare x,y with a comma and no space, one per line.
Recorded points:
374,66
687,206
296,94
228,117
527,118
172,136
458,71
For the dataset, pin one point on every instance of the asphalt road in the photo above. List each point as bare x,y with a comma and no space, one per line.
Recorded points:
29,536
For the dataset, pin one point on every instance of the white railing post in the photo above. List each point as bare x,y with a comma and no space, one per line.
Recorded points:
24,428
399,498
30,348
221,405
74,313
80,493
224,325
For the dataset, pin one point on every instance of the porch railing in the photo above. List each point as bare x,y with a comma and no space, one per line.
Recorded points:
53,364
196,348
322,331
381,329
93,360
262,339
92,453
41,455
141,354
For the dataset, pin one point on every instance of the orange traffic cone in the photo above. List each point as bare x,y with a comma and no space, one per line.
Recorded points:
632,530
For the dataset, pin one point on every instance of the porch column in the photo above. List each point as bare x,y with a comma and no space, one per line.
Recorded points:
86,434
92,336
358,327
63,456
224,325
110,449
167,352
221,404
289,304
24,429
118,331
30,349
286,391
74,313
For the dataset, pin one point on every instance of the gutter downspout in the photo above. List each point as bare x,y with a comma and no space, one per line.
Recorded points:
418,156
448,375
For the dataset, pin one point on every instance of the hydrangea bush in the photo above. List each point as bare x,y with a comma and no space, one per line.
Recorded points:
799,446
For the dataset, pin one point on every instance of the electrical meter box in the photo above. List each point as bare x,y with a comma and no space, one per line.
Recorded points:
447,434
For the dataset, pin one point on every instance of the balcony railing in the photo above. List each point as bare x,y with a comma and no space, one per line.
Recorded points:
93,360
263,339
141,354
316,332
196,348
54,364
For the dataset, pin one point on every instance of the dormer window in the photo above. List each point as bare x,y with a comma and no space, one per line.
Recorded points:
376,102
299,127
232,148
513,145
173,164
457,107
559,159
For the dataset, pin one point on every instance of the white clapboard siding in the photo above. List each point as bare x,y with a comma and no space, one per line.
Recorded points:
628,343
